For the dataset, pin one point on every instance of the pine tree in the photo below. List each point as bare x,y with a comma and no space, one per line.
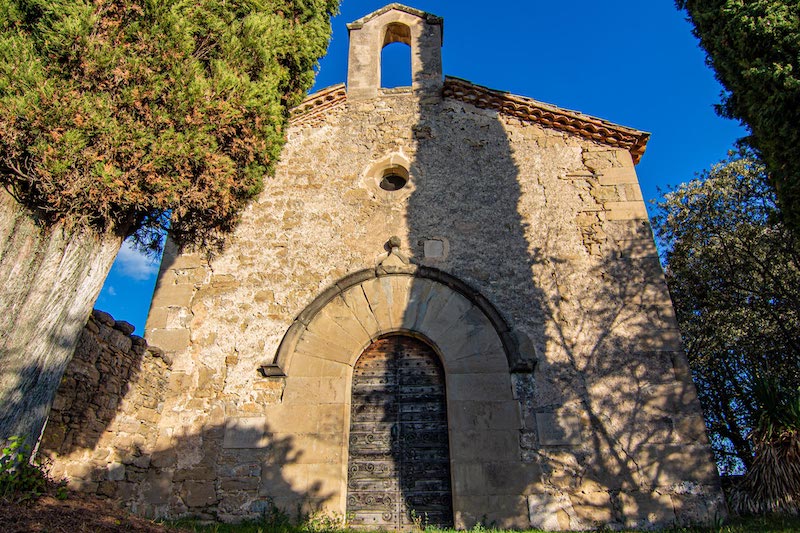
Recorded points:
123,118
754,48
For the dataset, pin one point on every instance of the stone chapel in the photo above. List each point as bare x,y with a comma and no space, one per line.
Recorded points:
446,308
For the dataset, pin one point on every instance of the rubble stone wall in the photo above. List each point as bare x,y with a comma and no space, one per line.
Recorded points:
103,423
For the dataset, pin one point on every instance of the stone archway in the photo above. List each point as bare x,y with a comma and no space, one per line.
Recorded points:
319,356
399,454
361,307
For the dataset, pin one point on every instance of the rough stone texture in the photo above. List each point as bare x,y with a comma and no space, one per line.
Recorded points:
542,220
103,425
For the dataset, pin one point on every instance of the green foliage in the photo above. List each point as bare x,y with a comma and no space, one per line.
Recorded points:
772,483
133,115
754,47
733,271
19,478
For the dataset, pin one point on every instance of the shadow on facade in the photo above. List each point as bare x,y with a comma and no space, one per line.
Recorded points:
641,447
599,412
218,473
112,372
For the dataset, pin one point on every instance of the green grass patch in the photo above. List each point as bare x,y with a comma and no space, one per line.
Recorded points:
280,523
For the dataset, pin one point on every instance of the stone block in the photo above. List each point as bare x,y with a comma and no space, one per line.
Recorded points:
703,506
484,415
315,448
156,489
116,471
245,433
433,249
643,509
284,480
668,340
357,302
628,230
617,175
327,481
479,387
632,192
173,295
511,478
198,493
508,511
549,511
169,340
668,464
196,473
305,418
489,446
468,478
491,361
468,511
594,508
327,348
379,298
440,320
671,398
316,390
398,291
303,365
692,429
625,210
426,300
241,484
335,320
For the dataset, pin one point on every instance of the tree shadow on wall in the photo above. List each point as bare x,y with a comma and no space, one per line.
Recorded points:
219,473
621,377
625,442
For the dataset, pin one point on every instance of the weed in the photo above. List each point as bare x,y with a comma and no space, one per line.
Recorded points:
23,479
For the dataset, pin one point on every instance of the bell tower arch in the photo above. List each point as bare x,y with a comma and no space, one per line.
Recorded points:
421,31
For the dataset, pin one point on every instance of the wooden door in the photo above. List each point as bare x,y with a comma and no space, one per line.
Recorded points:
399,460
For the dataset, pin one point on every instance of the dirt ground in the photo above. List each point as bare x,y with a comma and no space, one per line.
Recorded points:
78,513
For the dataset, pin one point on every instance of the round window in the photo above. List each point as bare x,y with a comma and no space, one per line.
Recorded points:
394,179
393,182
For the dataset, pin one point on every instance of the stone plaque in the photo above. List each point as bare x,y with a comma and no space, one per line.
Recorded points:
434,249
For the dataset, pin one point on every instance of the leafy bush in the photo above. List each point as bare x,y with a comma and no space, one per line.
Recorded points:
21,479
772,483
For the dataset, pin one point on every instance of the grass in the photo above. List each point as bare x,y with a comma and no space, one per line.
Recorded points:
282,524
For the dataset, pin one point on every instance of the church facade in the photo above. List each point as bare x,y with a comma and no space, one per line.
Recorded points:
445,308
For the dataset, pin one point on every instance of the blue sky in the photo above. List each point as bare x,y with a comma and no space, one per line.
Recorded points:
631,62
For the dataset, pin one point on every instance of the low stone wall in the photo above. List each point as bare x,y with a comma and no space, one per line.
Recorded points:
106,410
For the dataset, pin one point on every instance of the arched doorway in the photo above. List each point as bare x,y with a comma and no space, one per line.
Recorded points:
398,458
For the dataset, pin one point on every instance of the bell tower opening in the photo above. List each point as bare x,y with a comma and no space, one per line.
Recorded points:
394,41
396,56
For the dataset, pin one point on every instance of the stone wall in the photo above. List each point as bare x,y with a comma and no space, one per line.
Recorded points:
103,423
547,226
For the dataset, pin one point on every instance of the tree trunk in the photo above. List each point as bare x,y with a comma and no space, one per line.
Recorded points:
49,281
